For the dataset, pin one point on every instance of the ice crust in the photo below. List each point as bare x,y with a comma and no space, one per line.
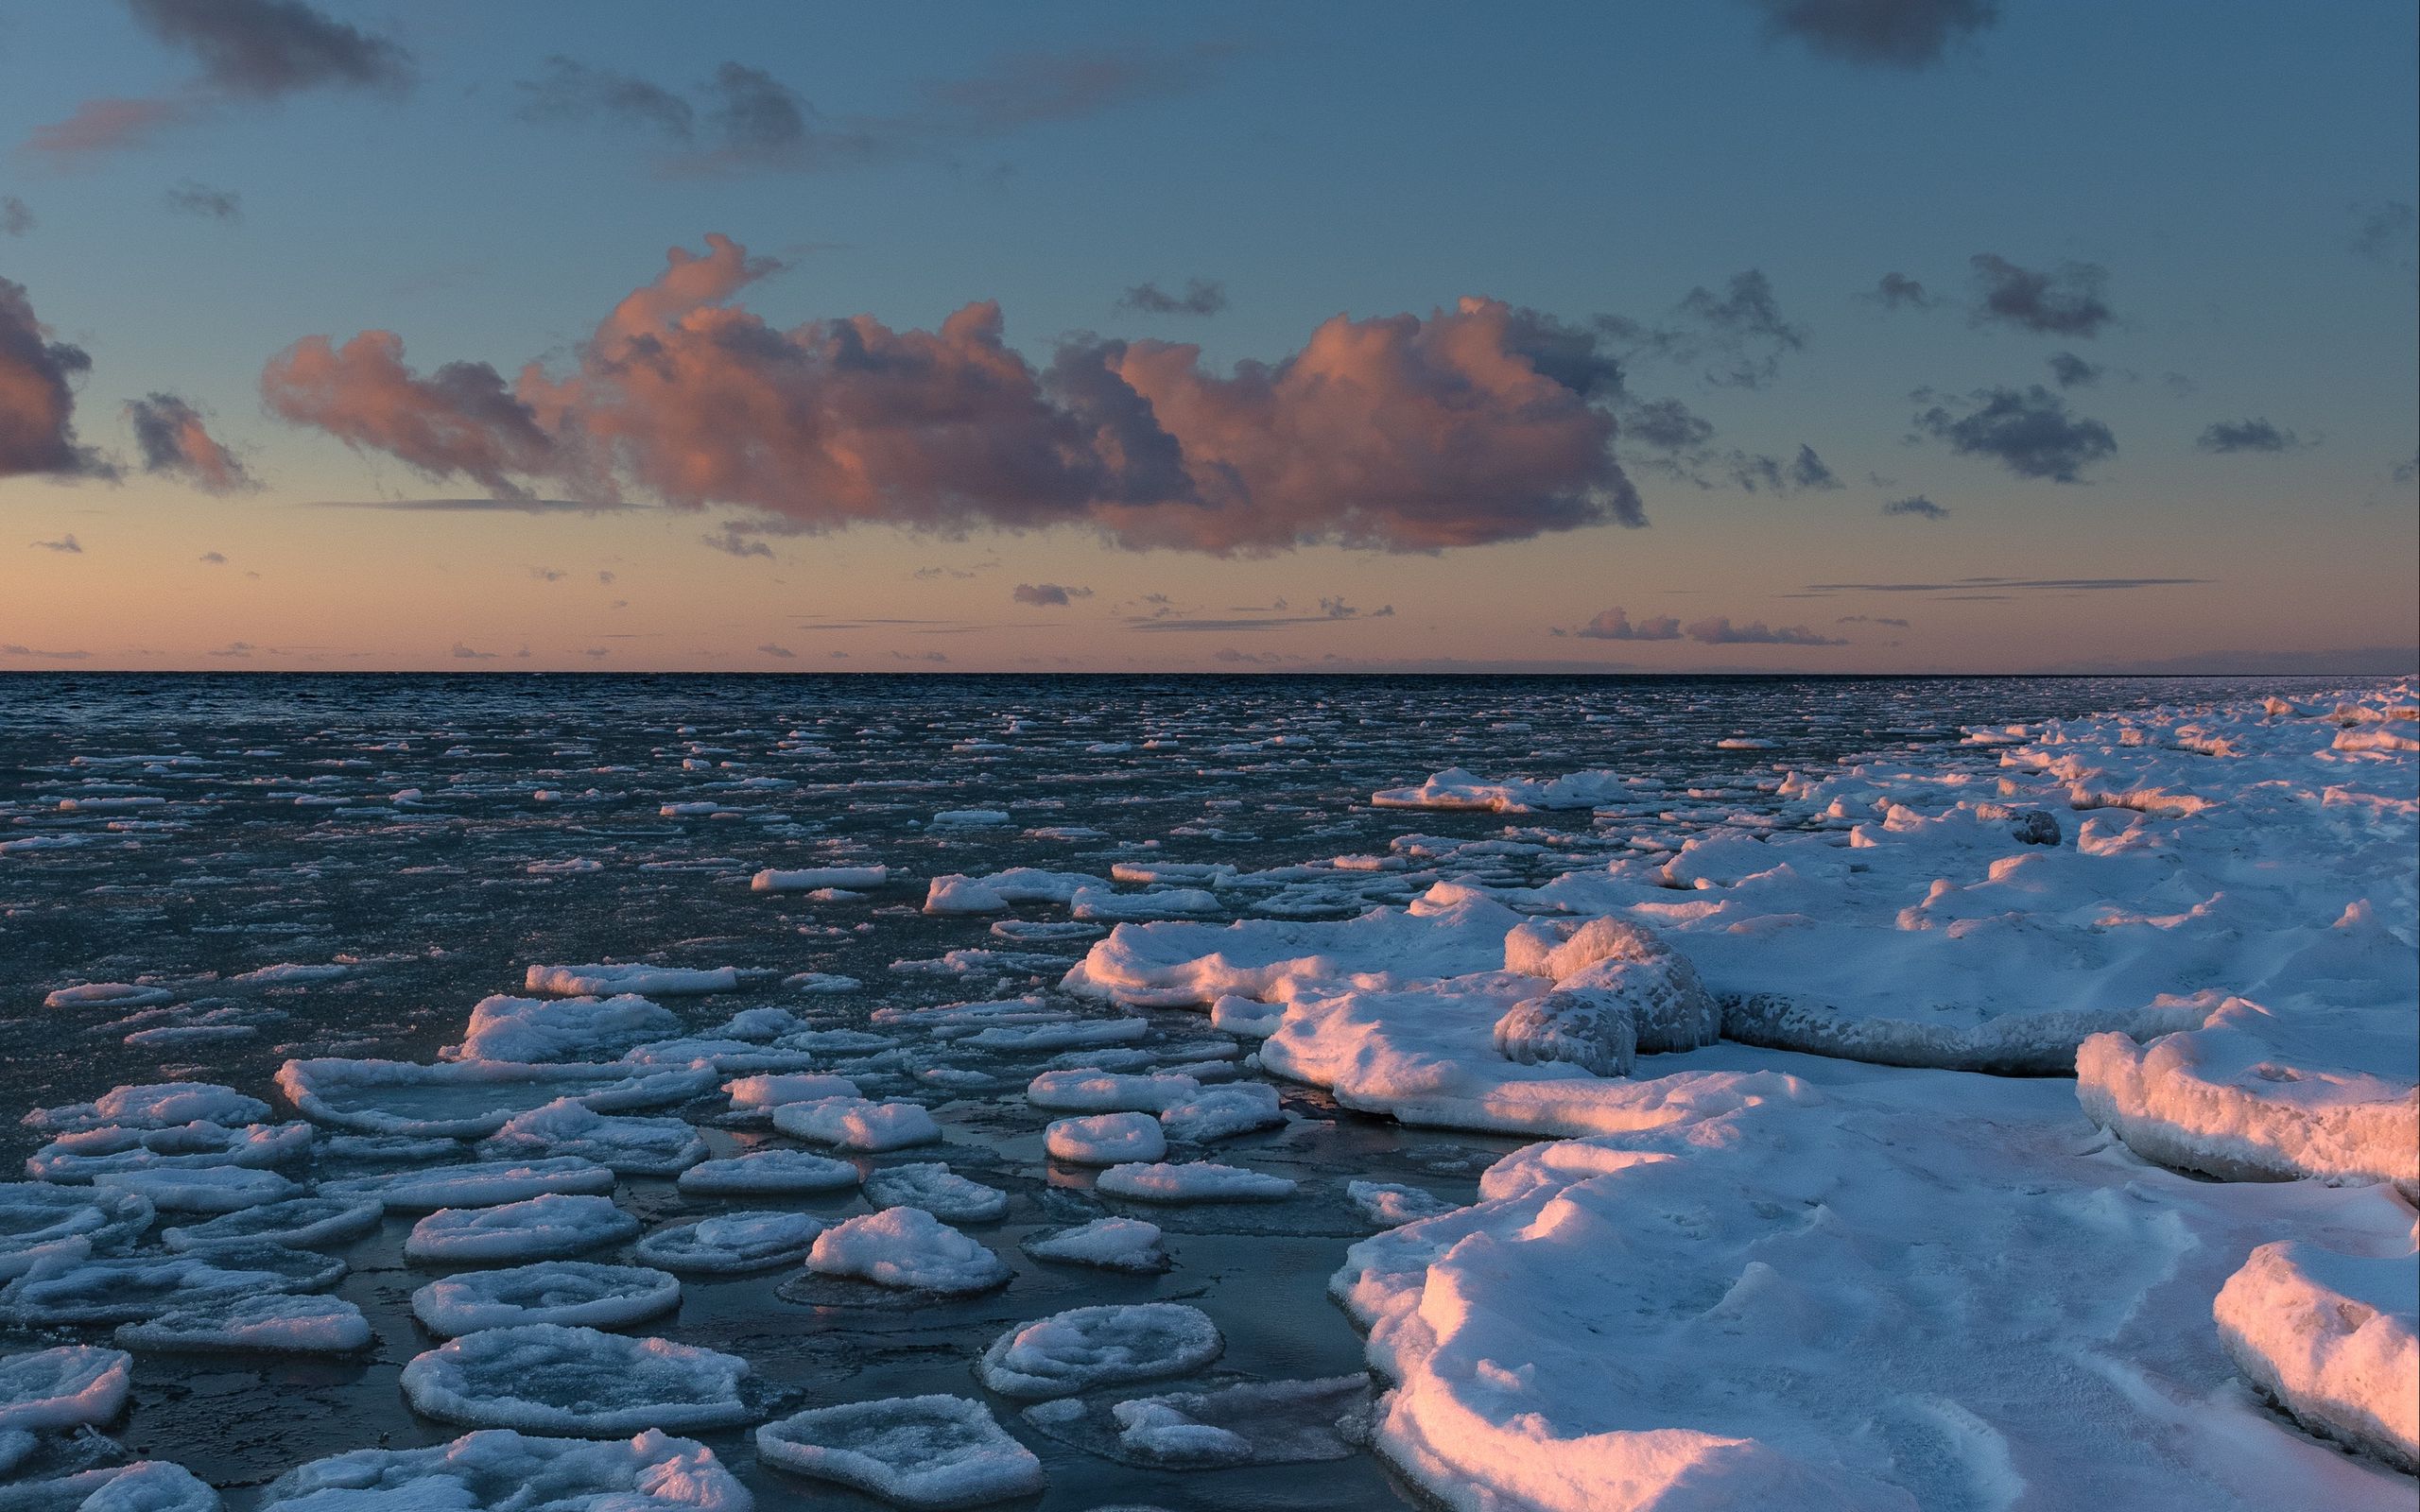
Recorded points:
546,1378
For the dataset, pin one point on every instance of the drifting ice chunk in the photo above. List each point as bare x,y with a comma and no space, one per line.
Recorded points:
936,1451
82,1156
552,1290
769,1172
556,1029
1192,1181
1111,1243
1088,1347
304,1222
626,1146
1455,788
749,1093
41,1221
1668,1004
67,1387
1390,1205
499,1470
970,818
1105,1139
544,1378
1591,1030
215,1189
858,1124
474,1186
467,1099
264,1325
909,1250
131,1287
1275,1422
539,1228
958,894
938,1191
812,879
145,1485
2330,1338
1084,1090
1105,905
605,981
731,1243
1222,1112
106,995
153,1105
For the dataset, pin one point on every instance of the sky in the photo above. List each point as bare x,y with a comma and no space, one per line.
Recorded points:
1834,336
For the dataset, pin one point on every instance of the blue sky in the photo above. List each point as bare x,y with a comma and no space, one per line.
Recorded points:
2219,193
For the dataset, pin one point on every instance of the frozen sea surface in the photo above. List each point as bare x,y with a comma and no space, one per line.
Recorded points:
228,873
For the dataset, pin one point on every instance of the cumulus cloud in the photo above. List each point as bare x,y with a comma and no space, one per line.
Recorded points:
2029,432
1917,508
15,218
1045,594
1907,34
2063,302
1201,296
1615,625
1718,630
38,397
172,439
1746,325
208,204
1396,432
1896,291
2245,436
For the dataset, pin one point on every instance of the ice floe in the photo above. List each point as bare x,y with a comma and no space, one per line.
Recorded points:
1105,1139
1192,1181
1223,1112
497,1470
815,879
1108,1244
546,1378
1086,1347
542,1227
549,1029
488,1184
931,1452
1253,1422
2330,1338
569,1129
128,1288
937,1190
550,1291
769,1172
305,1223
468,1099
907,1249
608,981
255,1324
858,1124
74,1384
731,1243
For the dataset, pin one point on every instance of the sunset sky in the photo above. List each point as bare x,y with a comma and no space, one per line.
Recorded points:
1820,335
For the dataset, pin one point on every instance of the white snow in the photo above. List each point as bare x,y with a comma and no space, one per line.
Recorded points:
554,1029
1109,1243
549,1379
813,879
1192,1181
909,1250
550,1291
605,981
858,1124
937,1190
66,1387
931,1452
540,1228
731,1243
499,1470
1222,1112
1083,1090
1105,1139
1084,1348
2330,1338
769,1172
752,1093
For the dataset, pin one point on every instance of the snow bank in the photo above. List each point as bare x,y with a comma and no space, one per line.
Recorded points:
2330,1338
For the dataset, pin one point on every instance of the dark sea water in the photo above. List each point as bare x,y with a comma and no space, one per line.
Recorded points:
423,831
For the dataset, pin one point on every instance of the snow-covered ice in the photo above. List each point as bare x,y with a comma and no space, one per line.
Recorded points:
858,1124
126,1288
769,1172
731,1243
546,1378
487,1184
937,1190
1105,1139
497,1470
305,1223
1391,1204
140,1486
567,1128
1083,1090
468,1099
1192,1181
1086,1347
554,1029
932,1451
1253,1422
1223,1112
153,1105
543,1227
1109,1243
255,1324
2330,1338
646,981
907,1249
73,1384
549,1291
814,878
772,1091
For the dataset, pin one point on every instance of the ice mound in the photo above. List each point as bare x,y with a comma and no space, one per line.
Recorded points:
106,995
908,1250
128,1288
2330,1338
769,1172
1086,1347
1248,1016
255,1324
1271,1422
2259,1095
607,981
1192,1181
305,1223
484,1185
748,1093
1455,788
70,1387
111,1149
550,1291
1108,1244
1105,1139
1886,1291
499,1470
567,1128
153,1105
143,1486
937,1190
468,1099
1616,960
731,1243
543,1227
814,878
1083,1090
1391,1204
555,1029
858,1124
1222,1112
544,1378
933,1452
39,1220
216,1189
1593,1031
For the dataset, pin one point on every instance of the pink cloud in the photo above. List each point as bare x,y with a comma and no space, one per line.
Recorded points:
38,397
1400,432
173,439
98,127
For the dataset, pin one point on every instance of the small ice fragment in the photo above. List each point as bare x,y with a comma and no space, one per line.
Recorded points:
1391,1204
731,1243
909,1250
1105,1139
1192,1181
1111,1243
1088,1347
